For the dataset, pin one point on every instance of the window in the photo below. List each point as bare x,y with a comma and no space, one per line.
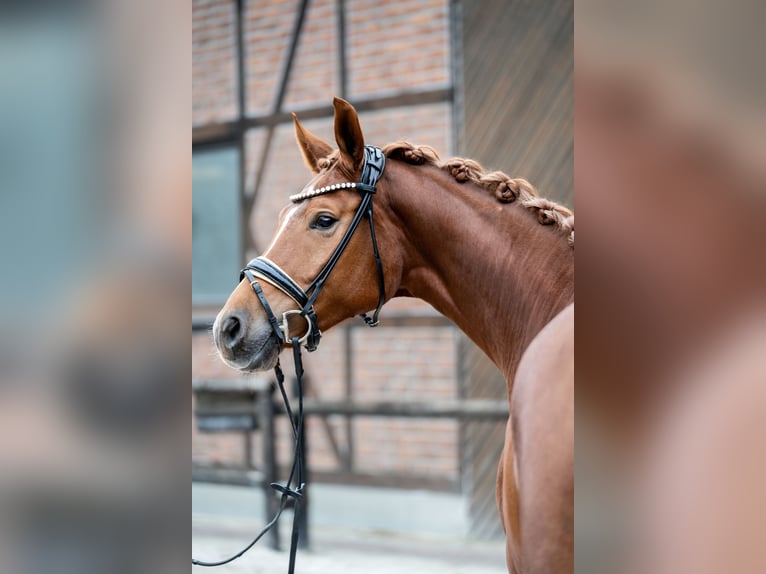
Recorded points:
216,225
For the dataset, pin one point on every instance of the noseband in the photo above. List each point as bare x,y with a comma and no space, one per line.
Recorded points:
266,270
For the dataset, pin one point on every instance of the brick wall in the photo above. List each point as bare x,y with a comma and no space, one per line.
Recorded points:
391,47
213,61
397,45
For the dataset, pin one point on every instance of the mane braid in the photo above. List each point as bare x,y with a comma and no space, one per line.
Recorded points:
326,163
506,189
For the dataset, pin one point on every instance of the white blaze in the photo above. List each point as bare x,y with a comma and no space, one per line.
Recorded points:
285,222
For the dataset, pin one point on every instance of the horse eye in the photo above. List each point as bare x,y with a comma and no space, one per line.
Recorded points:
323,221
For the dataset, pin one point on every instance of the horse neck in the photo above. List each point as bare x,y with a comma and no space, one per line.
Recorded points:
491,268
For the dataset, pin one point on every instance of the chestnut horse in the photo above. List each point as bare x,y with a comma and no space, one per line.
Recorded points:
485,251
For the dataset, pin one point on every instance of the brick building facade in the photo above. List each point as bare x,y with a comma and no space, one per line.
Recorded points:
392,48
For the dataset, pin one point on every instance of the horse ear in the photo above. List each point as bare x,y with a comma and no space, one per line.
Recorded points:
312,147
348,134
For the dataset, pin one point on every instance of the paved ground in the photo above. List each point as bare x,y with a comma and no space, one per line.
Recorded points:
371,531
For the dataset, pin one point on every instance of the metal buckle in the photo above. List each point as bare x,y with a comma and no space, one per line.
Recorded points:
285,327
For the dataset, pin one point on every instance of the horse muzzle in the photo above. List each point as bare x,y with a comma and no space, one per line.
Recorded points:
245,343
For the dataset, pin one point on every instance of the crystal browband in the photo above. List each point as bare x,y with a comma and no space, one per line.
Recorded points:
320,191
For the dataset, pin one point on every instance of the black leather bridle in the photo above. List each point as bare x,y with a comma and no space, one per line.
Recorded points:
264,269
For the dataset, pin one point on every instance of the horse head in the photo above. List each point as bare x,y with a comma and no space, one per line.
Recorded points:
316,228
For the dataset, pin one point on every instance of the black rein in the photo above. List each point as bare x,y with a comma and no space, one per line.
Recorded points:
264,269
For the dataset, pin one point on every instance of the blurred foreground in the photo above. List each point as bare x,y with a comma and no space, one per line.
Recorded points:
670,188
95,297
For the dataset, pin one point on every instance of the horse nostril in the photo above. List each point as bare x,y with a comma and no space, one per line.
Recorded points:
232,331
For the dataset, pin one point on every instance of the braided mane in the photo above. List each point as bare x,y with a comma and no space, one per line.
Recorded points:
506,189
